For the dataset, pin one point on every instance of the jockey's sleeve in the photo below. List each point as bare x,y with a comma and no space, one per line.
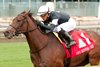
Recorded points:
54,21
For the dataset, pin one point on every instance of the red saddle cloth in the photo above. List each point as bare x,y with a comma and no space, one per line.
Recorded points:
83,43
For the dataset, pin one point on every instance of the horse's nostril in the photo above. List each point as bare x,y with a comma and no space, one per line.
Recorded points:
6,33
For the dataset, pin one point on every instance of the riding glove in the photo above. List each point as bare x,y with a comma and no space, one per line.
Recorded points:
51,27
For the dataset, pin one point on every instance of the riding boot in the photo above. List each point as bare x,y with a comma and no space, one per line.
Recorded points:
68,39
71,41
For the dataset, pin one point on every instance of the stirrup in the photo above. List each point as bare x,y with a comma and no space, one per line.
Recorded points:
71,43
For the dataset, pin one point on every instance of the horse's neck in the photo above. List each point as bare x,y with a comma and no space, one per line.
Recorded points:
35,38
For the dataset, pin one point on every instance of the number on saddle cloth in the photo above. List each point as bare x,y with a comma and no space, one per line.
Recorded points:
83,43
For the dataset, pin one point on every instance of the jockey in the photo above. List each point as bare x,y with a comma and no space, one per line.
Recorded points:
57,22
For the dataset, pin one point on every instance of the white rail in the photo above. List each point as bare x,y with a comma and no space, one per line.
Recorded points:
3,27
88,26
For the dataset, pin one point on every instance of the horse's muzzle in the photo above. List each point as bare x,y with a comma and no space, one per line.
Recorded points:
8,34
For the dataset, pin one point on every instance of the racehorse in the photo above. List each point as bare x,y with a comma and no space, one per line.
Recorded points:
45,49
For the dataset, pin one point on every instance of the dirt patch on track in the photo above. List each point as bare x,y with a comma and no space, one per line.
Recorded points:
13,40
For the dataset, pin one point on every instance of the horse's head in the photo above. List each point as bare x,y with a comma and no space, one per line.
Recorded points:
20,24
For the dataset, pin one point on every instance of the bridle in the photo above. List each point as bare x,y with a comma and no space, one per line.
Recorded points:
18,31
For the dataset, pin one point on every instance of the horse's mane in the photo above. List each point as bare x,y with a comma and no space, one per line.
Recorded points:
49,34
23,12
32,18
30,15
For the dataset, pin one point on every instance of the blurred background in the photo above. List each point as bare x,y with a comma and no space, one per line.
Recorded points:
10,8
85,12
15,52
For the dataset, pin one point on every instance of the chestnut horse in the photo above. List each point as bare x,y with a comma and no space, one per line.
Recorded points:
45,49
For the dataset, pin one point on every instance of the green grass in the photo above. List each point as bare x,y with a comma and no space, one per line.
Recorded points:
15,54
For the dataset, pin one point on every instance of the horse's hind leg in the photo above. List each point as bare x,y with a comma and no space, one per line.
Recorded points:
94,61
94,58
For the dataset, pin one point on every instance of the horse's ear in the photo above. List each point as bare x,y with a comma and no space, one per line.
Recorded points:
29,11
23,12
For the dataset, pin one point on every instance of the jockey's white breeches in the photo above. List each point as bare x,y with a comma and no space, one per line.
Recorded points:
67,26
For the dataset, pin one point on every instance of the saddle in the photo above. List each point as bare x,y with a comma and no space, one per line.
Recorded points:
83,43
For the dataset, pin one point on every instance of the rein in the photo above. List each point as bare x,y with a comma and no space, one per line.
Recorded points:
27,31
36,51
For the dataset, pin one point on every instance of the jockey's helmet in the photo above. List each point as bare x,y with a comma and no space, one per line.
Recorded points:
43,10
